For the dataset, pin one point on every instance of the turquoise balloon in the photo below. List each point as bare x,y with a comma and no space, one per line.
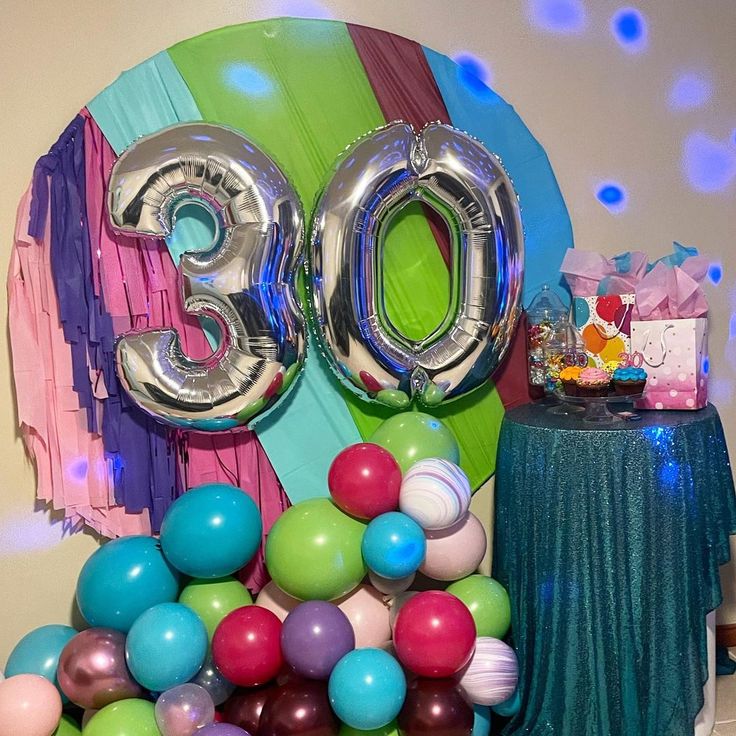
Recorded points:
37,653
166,646
509,707
481,720
122,579
367,689
394,545
211,531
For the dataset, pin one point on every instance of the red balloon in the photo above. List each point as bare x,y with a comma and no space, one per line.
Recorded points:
365,481
299,709
434,634
247,646
435,708
244,707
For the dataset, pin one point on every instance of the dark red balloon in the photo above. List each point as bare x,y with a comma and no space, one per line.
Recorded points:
299,709
365,481
434,634
246,646
435,708
243,708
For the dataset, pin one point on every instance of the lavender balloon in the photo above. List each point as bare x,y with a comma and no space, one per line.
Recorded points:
222,729
314,637
492,674
183,710
92,670
213,681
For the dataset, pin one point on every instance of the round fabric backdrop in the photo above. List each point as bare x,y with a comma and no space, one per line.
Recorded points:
303,90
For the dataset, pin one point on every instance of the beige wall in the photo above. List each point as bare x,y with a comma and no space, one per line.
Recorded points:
600,113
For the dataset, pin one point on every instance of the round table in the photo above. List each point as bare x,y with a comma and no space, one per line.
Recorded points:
609,539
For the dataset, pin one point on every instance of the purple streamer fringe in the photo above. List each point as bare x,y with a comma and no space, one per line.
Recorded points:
141,451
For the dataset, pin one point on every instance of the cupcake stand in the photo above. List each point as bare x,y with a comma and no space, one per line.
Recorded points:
609,535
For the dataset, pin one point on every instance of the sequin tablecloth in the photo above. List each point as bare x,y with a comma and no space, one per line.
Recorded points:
609,539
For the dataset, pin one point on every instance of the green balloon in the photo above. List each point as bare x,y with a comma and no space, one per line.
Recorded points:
212,600
67,727
132,717
415,436
488,602
313,551
389,730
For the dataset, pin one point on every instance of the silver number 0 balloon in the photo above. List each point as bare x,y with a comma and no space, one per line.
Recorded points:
245,279
466,184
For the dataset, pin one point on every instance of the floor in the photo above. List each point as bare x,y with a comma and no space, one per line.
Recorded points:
726,703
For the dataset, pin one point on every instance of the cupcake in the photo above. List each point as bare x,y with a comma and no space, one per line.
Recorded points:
628,381
593,382
569,378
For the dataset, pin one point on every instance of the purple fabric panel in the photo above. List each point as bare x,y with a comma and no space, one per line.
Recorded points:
142,455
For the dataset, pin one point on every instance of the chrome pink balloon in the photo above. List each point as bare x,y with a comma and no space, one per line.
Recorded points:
369,615
92,670
492,674
183,710
455,552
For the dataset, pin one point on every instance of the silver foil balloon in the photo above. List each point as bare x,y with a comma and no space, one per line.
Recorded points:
213,681
244,279
457,176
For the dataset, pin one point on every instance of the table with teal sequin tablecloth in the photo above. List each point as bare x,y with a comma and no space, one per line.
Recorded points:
609,538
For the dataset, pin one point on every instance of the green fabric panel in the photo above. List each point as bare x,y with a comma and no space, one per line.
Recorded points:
299,90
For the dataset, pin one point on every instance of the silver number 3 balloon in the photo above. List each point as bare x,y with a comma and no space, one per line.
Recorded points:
245,279
455,174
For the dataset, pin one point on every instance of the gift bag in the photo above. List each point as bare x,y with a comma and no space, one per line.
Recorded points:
675,353
604,324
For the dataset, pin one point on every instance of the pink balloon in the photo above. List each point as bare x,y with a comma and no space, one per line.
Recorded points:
455,552
369,615
276,601
29,705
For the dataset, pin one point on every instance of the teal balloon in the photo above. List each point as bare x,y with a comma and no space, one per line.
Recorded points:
211,531
122,579
166,646
481,720
367,689
393,545
509,707
37,653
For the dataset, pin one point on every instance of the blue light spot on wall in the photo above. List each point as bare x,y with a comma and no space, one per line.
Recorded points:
629,28
612,196
248,80
715,273
474,75
77,469
732,327
709,165
706,365
690,91
558,16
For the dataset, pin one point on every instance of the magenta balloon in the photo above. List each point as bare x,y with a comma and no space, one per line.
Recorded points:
92,670
314,637
455,552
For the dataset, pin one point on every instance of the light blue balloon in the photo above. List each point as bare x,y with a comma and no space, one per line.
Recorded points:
367,689
481,720
509,707
211,531
166,646
394,545
37,653
122,579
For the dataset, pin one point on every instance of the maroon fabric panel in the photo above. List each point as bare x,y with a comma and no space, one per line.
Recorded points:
405,89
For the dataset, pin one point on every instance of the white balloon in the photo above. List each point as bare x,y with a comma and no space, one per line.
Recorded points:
493,672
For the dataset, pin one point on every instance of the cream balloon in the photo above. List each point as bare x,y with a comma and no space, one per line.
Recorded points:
369,615
388,586
275,600
492,674
455,552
